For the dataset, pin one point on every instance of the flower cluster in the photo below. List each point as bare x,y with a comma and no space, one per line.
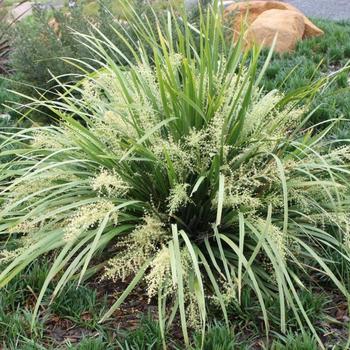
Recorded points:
136,248
178,198
159,276
87,217
45,139
109,183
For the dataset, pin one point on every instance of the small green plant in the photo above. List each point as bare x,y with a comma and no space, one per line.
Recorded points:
91,344
179,173
218,337
24,286
296,342
315,306
17,328
77,301
146,337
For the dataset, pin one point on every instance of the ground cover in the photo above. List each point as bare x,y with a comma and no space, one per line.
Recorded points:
71,321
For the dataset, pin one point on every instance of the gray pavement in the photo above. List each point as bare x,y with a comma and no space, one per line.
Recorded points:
330,9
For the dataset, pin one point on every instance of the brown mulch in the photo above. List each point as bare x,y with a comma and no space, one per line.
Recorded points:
60,330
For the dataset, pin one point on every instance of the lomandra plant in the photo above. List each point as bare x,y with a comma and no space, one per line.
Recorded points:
179,173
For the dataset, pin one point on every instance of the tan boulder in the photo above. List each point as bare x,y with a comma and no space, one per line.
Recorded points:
287,26
243,14
55,26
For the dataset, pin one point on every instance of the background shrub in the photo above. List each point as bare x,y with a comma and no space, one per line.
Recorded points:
39,49
42,41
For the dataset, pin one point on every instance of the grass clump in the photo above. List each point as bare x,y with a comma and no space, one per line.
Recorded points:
146,336
91,344
181,174
218,337
296,342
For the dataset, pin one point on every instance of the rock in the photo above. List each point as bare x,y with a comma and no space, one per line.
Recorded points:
191,4
227,3
55,26
243,14
289,26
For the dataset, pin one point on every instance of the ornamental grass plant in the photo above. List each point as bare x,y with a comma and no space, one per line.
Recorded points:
181,174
